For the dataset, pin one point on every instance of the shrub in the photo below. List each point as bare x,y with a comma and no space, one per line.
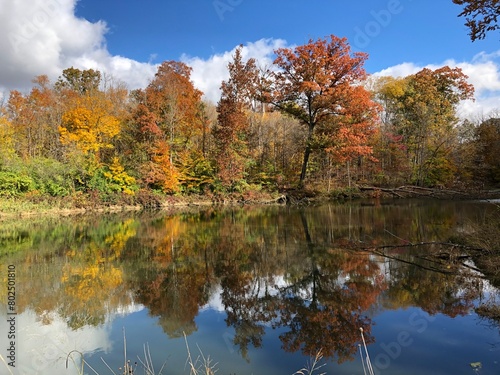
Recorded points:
14,184
51,177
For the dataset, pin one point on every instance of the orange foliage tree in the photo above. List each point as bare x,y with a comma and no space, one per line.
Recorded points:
232,126
166,123
319,84
35,118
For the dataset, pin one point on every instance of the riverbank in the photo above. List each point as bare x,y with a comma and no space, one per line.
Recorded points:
80,204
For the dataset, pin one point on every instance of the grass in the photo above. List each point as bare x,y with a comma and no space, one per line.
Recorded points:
313,366
202,365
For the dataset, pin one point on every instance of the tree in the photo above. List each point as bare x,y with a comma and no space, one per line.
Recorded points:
35,118
421,109
488,149
7,150
232,121
89,124
318,84
481,16
79,81
167,121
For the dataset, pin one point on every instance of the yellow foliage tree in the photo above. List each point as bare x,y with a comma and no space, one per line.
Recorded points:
89,125
119,179
6,139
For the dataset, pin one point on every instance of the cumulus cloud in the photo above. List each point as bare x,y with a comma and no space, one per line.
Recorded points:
45,37
483,72
208,74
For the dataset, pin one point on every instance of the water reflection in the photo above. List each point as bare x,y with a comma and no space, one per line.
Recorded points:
298,271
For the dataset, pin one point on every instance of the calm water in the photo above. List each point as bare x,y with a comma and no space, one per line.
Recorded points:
256,290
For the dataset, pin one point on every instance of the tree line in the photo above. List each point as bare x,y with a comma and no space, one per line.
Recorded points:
313,119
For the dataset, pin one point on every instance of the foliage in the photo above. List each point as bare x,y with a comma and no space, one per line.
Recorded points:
232,125
481,16
88,124
7,150
318,84
83,82
487,150
166,121
310,114
118,179
196,172
420,121
51,177
14,184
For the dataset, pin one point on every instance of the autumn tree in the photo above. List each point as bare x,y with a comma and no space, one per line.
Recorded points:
319,84
88,125
488,148
421,109
35,118
232,122
79,81
90,128
7,150
481,16
169,124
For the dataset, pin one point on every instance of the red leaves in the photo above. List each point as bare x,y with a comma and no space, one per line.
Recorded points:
318,84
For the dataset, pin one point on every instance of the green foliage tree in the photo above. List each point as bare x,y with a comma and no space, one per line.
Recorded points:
488,149
80,81
421,109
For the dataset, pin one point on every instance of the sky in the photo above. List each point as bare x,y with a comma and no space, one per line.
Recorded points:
127,39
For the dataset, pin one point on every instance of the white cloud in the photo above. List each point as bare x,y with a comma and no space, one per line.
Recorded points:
208,74
45,37
35,39
483,72
42,348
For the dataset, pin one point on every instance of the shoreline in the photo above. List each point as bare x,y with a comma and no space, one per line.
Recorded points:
26,207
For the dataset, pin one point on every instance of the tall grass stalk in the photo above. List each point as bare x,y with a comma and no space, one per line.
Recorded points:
202,365
82,360
312,366
369,367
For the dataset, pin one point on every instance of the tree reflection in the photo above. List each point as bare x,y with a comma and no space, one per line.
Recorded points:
172,280
320,305
451,291
300,271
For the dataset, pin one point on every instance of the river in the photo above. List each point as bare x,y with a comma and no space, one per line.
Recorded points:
249,290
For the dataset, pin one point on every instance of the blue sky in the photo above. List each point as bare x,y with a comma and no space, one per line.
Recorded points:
392,32
126,39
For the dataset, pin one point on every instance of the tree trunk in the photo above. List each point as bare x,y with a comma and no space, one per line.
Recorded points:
307,153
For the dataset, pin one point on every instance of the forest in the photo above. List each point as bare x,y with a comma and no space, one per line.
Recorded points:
313,120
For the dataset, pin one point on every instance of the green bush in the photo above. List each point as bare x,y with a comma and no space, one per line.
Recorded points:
51,177
14,184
